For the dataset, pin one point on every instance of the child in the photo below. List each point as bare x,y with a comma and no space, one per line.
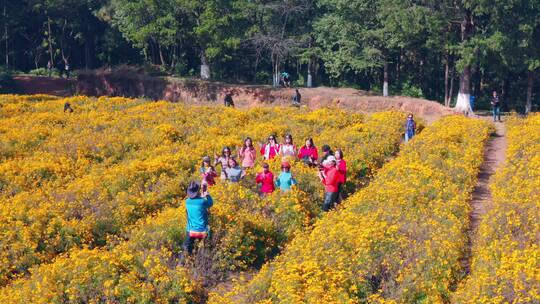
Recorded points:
285,180
266,179
208,173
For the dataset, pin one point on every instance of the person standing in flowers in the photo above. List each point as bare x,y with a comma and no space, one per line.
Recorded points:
327,151
287,149
234,173
223,161
330,177
197,205
410,128
266,179
247,154
285,180
308,153
208,173
270,149
342,168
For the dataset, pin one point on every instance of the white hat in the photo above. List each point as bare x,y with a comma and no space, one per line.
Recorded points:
330,158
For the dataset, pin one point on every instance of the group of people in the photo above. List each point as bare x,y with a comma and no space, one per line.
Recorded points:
233,168
332,172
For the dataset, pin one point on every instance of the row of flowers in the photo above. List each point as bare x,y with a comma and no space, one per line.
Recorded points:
399,240
124,160
506,258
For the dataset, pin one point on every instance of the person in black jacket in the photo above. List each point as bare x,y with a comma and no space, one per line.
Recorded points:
296,98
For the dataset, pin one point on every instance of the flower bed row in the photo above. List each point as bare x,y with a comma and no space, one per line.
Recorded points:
397,241
506,258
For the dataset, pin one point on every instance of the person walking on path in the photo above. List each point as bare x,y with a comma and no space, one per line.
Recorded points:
228,100
308,153
297,98
208,173
270,149
288,149
410,128
197,205
330,178
266,179
496,105
234,173
285,180
247,154
223,161
342,168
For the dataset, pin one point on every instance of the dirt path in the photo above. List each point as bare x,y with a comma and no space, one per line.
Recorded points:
494,156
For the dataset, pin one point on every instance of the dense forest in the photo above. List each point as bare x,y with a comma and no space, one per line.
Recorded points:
444,50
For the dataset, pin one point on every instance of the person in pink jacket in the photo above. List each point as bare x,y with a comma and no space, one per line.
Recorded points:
270,149
308,153
247,154
266,179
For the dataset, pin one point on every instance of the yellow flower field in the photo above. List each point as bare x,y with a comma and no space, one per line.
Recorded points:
397,241
102,188
506,259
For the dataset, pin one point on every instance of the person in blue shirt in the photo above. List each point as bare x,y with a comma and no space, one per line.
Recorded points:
410,128
285,179
197,205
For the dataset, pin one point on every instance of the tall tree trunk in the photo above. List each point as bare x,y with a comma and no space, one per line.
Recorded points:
463,103
49,39
385,80
309,76
530,83
205,68
451,91
6,37
161,57
446,74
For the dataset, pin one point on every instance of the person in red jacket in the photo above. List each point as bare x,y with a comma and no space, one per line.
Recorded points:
266,179
342,167
308,153
270,149
330,178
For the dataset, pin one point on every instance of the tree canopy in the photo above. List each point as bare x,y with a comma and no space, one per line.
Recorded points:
434,49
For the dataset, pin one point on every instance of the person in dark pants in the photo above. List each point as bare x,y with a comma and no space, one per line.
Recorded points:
330,177
228,101
296,98
496,105
197,205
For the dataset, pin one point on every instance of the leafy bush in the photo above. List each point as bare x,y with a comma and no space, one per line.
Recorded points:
411,90
7,85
